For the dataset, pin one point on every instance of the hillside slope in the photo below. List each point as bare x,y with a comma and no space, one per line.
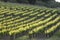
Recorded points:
16,19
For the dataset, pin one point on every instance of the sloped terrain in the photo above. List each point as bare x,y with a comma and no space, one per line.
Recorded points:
28,20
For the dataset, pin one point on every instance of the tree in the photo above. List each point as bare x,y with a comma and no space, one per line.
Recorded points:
19,1
4,0
45,0
32,1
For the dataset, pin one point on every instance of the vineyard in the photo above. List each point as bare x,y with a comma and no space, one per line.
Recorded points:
22,20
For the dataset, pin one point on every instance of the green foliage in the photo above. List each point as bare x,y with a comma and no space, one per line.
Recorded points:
16,19
23,38
58,33
32,1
